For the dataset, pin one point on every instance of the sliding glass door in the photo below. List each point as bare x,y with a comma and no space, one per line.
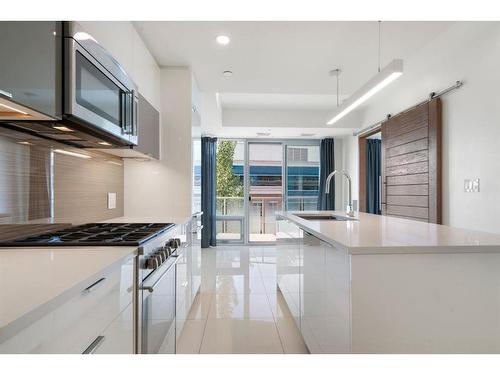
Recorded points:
265,189
256,178
230,227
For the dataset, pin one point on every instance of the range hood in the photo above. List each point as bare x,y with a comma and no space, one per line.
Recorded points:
65,133
20,118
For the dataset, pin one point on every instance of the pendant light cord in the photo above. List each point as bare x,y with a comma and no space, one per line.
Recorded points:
379,24
338,73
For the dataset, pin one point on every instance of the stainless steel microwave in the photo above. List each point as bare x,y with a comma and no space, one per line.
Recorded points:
98,93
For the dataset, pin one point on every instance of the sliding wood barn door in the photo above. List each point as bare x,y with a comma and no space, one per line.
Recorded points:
411,164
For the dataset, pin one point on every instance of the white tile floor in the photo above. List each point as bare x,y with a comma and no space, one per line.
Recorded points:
239,309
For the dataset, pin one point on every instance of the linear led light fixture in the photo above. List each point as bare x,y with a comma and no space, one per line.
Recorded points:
383,78
63,128
13,109
76,154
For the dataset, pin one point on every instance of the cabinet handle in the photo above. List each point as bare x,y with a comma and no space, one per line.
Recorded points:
94,285
151,288
5,93
95,344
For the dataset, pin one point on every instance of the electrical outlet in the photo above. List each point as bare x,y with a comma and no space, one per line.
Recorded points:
471,186
111,201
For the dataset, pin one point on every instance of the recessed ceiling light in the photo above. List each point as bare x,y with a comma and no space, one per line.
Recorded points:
24,143
102,143
223,39
227,73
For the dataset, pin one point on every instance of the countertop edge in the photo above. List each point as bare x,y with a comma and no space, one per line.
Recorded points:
390,249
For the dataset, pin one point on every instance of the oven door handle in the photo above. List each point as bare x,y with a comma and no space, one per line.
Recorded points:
150,288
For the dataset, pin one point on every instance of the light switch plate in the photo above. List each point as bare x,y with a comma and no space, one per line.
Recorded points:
471,186
111,201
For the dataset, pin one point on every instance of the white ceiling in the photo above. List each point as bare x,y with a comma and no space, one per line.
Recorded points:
278,101
283,65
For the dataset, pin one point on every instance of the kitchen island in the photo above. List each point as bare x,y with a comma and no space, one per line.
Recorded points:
377,284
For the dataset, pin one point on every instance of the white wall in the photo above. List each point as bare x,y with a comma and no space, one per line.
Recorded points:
157,188
471,118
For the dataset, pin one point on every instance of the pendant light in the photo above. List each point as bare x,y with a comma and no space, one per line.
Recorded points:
383,78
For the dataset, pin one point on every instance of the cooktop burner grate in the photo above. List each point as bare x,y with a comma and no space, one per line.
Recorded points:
96,234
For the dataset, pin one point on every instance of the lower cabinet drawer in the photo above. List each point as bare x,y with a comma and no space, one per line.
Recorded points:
79,321
31,339
118,337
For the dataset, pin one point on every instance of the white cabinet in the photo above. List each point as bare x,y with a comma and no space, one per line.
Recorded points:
314,279
183,297
195,255
118,337
123,42
74,326
188,273
183,292
325,313
288,265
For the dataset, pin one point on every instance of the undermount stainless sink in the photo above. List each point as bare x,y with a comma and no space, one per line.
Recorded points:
324,217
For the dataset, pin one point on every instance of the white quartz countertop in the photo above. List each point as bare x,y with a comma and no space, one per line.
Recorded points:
372,234
33,281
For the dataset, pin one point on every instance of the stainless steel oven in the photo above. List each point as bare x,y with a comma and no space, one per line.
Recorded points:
158,323
98,92
157,288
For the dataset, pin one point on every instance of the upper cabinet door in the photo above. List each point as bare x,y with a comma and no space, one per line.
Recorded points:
30,65
148,123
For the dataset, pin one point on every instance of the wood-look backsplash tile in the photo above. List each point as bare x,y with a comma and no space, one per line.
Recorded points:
81,188
38,185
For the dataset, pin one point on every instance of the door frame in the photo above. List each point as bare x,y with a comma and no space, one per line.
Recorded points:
362,165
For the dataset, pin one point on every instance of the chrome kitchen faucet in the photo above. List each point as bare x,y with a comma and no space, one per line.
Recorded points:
350,211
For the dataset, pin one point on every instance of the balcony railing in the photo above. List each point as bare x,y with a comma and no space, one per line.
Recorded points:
262,221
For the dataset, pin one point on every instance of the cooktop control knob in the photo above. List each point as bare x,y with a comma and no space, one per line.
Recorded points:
159,259
169,250
175,243
151,263
164,254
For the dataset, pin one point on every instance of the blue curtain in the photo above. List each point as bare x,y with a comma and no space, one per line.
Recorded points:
373,173
327,165
208,191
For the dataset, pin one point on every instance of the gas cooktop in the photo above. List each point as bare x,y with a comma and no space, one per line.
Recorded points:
99,234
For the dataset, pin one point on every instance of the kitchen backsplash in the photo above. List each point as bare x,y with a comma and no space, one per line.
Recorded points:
40,185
